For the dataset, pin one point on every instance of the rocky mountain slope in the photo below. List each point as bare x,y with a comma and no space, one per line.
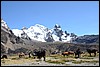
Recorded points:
87,39
10,42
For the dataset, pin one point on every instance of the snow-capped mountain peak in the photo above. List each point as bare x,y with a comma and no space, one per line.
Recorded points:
41,33
40,26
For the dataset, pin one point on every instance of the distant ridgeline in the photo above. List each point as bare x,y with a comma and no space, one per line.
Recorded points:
87,39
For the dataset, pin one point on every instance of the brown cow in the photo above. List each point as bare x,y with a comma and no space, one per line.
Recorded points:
68,53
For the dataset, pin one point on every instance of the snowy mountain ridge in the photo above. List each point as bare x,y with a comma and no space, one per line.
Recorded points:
41,33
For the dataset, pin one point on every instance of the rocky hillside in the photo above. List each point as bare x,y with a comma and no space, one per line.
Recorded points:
87,39
11,42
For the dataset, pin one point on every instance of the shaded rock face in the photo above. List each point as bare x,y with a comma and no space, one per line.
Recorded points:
9,42
3,50
49,37
3,37
8,39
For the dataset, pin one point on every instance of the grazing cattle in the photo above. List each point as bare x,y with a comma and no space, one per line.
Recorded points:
55,52
21,55
68,53
92,51
78,53
29,54
40,54
4,56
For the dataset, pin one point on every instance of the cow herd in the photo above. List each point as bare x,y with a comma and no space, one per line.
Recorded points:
42,53
78,52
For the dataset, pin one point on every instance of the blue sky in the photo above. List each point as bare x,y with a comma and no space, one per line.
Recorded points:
79,17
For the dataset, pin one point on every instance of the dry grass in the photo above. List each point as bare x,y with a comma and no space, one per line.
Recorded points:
21,61
16,60
61,59
55,61
87,61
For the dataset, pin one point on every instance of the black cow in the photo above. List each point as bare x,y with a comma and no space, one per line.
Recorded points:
4,56
21,54
29,54
40,54
78,52
92,51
